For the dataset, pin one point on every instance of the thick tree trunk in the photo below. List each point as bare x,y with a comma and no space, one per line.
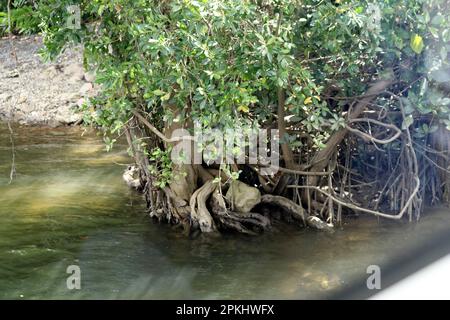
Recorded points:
322,158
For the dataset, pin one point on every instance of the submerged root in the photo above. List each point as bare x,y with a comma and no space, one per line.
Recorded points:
287,205
218,216
316,223
296,211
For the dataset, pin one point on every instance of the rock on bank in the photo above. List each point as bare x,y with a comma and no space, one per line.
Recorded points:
38,93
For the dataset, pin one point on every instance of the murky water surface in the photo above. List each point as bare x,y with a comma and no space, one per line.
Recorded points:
69,206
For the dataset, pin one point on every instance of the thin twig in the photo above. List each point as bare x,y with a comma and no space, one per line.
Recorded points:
355,207
369,137
158,133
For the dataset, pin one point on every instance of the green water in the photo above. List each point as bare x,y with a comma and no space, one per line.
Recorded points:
68,206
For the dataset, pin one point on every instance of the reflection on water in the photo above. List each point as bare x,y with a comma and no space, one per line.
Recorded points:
68,206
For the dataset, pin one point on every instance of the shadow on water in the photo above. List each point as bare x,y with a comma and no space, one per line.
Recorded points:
68,206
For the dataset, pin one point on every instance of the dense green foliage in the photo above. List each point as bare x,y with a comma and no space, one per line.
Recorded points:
221,62
24,17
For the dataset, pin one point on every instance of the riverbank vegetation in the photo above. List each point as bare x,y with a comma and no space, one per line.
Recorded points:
23,15
358,91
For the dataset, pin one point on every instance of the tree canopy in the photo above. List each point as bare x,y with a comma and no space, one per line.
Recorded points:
303,67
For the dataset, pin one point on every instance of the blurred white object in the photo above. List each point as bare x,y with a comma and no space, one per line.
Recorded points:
429,283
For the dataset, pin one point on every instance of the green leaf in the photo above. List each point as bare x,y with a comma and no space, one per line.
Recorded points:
416,43
101,8
165,97
407,122
159,92
243,108
409,108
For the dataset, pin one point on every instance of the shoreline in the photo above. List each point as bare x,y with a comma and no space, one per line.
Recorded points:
33,92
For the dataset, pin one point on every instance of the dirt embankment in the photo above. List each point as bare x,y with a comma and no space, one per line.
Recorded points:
38,93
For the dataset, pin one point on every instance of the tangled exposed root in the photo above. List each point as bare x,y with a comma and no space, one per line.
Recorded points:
369,166
200,215
208,211
241,222
207,219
